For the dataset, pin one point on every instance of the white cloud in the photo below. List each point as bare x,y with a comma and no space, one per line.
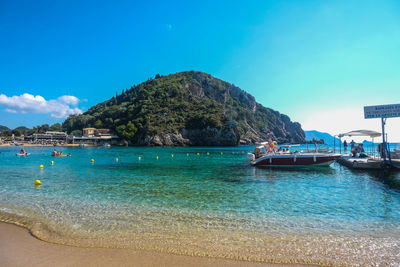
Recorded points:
69,99
10,110
26,103
341,120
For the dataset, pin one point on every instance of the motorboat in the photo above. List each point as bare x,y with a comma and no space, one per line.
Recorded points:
360,159
278,157
367,163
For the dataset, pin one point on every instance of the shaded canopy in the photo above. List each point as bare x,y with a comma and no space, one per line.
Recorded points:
369,133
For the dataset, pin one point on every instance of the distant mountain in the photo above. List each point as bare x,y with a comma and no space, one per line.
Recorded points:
4,128
365,142
188,108
328,139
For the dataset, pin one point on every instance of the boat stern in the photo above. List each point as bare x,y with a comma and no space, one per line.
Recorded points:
251,158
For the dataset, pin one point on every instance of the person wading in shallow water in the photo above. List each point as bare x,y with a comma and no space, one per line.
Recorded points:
345,146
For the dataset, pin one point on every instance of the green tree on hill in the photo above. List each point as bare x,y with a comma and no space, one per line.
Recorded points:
185,100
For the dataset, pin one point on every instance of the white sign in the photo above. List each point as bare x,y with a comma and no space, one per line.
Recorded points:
382,111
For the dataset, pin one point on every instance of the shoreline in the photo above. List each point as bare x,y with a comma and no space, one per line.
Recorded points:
37,145
18,247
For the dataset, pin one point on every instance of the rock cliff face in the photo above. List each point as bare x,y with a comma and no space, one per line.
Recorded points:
188,108
198,137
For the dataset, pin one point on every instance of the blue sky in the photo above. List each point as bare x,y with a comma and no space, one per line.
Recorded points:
319,62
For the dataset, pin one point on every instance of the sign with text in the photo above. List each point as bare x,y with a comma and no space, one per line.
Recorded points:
382,111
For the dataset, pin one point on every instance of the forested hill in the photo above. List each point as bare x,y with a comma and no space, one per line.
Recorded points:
4,128
188,108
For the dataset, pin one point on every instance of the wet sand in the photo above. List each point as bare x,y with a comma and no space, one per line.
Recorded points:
19,248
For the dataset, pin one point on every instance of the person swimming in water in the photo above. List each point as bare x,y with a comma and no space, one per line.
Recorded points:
23,152
55,153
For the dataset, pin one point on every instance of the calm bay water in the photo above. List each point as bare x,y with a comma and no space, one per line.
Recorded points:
208,205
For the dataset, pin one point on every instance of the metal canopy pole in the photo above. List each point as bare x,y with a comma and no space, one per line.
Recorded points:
373,148
388,150
334,144
384,146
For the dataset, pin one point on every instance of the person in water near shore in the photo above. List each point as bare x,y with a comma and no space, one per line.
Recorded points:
55,153
23,152
345,146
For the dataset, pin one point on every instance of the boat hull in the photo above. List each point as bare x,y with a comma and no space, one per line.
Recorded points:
300,160
366,163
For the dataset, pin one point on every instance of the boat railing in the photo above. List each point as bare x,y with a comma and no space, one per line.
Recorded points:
370,148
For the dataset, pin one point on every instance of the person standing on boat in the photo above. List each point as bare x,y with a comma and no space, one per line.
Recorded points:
352,144
380,150
345,146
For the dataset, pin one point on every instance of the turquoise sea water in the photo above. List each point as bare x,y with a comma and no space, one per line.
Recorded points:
210,204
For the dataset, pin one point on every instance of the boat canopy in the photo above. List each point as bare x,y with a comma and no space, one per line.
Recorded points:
369,133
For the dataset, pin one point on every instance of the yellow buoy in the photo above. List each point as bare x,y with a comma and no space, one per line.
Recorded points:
139,158
208,153
41,166
51,162
92,160
157,157
116,159
172,155
37,182
222,153
198,153
187,154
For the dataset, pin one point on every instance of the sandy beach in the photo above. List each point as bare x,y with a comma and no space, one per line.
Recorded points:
19,248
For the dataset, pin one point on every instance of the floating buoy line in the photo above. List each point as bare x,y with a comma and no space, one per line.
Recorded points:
37,182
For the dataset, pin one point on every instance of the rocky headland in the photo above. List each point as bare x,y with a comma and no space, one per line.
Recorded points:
188,109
